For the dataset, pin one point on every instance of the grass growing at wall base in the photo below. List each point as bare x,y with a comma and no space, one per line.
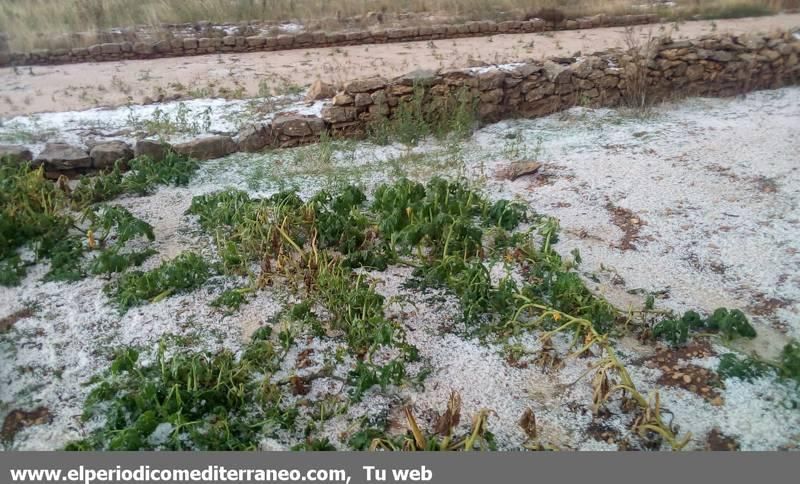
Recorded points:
419,115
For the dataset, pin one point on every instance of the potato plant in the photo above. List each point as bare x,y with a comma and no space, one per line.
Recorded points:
321,249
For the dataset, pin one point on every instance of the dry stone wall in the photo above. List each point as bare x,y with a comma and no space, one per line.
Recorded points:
718,65
187,46
721,65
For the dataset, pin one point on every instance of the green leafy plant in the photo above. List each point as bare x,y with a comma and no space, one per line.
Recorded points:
108,220
111,261
751,367
125,226
676,331
231,298
185,273
729,323
366,375
315,445
790,361
146,173
143,176
192,401
358,311
33,214
66,261
730,366
100,187
12,270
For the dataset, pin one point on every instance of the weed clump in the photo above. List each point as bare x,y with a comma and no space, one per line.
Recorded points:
420,115
751,367
730,324
36,213
144,175
444,439
195,401
163,125
185,273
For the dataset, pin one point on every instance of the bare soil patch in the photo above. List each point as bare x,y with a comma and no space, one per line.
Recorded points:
8,322
20,419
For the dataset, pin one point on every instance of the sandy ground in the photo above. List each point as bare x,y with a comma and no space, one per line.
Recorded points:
80,86
696,202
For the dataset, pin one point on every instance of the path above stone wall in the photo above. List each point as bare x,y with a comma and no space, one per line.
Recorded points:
83,86
202,44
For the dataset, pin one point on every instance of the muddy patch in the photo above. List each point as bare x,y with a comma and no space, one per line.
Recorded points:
603,433
765,185
717,441
9,321
764,305
628,223
20,419
677,372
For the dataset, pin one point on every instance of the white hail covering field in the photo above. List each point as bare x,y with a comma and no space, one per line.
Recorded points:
697,202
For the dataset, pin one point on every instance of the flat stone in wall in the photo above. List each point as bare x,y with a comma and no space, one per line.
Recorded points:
104,155
62,156
255,137
15,152
207,147
155,150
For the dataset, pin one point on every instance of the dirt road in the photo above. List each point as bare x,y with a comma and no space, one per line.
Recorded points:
36,89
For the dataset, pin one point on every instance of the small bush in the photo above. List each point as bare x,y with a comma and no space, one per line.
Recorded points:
97,188
730,324
146,173
185,273
193,401
421,114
